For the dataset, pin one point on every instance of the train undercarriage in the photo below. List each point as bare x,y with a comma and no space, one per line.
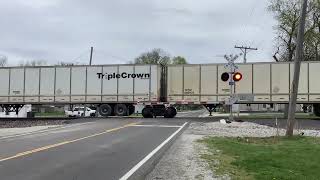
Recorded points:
149,111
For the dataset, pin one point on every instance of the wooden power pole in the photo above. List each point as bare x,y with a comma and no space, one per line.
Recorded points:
297,62
91,51
245,49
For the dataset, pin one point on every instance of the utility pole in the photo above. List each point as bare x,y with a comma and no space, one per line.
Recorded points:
244,50
91,51
232,67
297,62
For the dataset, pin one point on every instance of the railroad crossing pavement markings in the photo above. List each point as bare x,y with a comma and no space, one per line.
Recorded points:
152,153
45,130
136,124
147,125
25,153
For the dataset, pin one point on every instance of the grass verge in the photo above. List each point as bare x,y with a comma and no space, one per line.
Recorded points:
264,158
136,115
278,115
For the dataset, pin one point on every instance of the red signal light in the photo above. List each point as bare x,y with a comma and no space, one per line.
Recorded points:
237,76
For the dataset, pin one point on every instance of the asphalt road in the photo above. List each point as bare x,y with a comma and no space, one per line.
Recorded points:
192,114
102,149
96,148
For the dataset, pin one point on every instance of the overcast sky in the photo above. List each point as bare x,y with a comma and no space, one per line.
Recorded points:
120,30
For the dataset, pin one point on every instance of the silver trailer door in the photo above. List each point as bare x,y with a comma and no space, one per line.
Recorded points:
110,84
47,83
142,84
94,88
261,82
191,83
209,80
16,85
78,84
4,87
280,82
175,83
62,91
32,85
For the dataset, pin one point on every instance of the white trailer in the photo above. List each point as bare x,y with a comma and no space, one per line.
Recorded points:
262,83
115,88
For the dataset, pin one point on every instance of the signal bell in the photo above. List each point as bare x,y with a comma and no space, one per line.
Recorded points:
237,76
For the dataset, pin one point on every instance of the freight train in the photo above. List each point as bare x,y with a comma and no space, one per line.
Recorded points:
115,89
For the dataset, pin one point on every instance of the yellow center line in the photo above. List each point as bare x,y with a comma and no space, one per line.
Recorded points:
64,142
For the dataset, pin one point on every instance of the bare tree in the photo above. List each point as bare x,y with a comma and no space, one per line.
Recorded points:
64,63
156,56
33,63
3,61
286,12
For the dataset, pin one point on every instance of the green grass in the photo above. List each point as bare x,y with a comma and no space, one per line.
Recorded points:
264,158
274,115
278,116
50,114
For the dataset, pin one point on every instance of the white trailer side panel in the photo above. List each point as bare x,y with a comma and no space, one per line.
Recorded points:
209,83
125,85
94,84
47,83
110,85
175,83
155,83
62,90
142,84
244,86
78,84
32,84
4,88
16,85
303,81
280,82
314,85
191,83
261,82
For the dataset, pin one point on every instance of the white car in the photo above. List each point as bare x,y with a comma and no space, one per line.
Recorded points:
79,112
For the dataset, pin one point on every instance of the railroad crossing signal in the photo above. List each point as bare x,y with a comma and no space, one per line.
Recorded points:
237,76
225,76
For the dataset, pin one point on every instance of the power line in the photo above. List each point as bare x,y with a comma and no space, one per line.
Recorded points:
81,55
245,50
110,55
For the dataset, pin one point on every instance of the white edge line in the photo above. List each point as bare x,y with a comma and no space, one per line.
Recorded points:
144,160
44,130
141,125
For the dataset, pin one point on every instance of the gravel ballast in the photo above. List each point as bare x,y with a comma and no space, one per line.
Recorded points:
30,123
11,132
182,160
241,129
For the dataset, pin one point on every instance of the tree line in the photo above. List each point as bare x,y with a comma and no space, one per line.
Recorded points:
155,56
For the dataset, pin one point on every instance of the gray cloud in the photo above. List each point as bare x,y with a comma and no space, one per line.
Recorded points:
120,30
